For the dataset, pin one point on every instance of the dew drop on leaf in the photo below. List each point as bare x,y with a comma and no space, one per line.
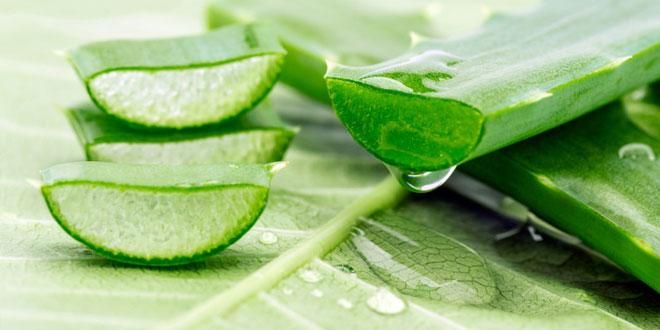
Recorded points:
385,302
287,291
317,293
345,303
310,275
346,268
268,238
636,151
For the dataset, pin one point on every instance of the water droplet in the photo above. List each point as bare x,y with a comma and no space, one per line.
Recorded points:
636,150
317,293
310,275
421,182
346,268
268,238
287,291
357,232
385,302
345,303
535,236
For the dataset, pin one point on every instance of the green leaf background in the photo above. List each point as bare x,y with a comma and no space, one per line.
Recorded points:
437,252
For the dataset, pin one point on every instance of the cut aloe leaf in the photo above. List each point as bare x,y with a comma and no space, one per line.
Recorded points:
596,178
448,101
156,214
181,82
258,136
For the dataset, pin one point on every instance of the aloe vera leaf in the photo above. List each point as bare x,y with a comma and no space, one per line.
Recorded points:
181,82
596,178
448,101
156,214
349,32
258,136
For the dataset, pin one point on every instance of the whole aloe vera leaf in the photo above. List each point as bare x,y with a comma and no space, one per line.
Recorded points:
596,178
350,32
258,136
448,101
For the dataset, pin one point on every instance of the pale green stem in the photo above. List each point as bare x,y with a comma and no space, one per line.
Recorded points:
325,239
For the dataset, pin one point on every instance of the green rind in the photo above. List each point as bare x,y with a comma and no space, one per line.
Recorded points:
94,127
225,45
573,177
136,260
402,129
158,175
516,104
215,48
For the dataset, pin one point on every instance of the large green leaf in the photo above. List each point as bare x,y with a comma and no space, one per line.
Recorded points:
438,253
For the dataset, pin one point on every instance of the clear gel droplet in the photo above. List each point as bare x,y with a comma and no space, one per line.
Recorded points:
268,238
385,302
421,182
310,276
636,150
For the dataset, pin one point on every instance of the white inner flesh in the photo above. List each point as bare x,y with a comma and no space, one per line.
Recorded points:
245,147
151,224
185,97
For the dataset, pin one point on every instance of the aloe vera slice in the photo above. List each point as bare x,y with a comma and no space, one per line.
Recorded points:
156,214
448,101
597,178
258,136
181,82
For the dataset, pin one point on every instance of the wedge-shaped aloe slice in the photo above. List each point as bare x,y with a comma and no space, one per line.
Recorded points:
448,101
181,82
597,178
156,214
258,136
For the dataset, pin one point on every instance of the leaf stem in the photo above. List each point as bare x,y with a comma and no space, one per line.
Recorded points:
385,195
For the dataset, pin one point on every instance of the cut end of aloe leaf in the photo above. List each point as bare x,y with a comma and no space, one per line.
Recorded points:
255,137
181,82
156,214
411,132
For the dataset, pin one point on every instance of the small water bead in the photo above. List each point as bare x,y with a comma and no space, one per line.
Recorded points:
317,293
421,182
268,238
385,302
345,303
346,268
287,291
310,276
636,150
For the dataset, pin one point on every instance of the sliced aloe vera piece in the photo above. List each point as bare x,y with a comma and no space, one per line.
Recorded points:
181,82
448,101
597,178
156,214
258,136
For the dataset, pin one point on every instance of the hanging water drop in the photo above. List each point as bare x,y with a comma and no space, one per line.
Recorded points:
345,303
268,238
421,182
310,275
317,293
636,150
385,302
